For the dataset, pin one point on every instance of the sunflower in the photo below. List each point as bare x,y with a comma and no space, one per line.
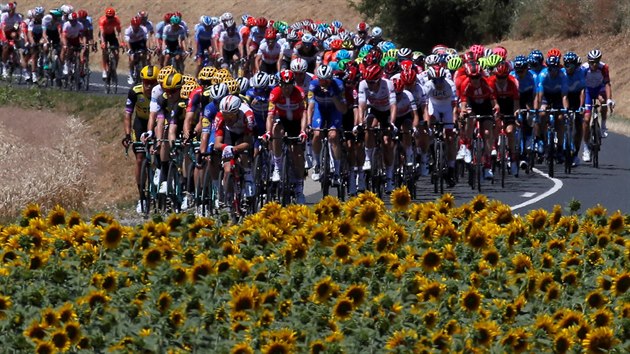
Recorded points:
277,347
596,211
471,300
503,215
37,260
545,323
57,216
285,308
102,219
346,228
180,275
570,318
382,242
342,250
368,213
269,297
521,263
547,261
485,332
478,203
431,260
621,284
317,347
432,290
60,340
343,308
164,302
32,211
50,318
35,331
112,235
537,219
441,341
400,198
430,319
357,293
563,341
74,219
45,348
73,331
266,319
109,283
176,318
366,261
323,290
242,348
5,304
596,299
244,297
152,257
66,313
553,292
201,270
600,340
477,237
402,339
516,339
544,280
616,222
602,317
570,278
96,298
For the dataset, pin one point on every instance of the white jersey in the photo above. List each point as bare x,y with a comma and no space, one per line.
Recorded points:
72,31
230,43
443,95
140,35
10,22
405,104
172,34
381,99
156,93
270,55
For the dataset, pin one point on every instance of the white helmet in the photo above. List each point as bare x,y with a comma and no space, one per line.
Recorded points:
377,32
432,59
243,84
218,91
227,16
230,104
299,65
308,38
66,9
324,72
260,80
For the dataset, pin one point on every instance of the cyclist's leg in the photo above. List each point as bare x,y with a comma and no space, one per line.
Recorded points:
601,97
334,137
316,141
139,127
371,122
276,146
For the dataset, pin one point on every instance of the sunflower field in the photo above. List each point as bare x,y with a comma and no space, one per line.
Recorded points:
336,277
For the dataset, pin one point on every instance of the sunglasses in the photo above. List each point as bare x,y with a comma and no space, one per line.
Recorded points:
475,77
149,82
362,32
372,82
171,91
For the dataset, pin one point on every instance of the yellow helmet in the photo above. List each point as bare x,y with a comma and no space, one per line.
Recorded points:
187,89
206,73
233,87
223,75
149,72
172,82
188,78
165,71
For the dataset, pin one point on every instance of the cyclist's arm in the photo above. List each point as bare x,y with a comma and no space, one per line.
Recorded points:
220,45
247,143
565,101
309,112
339,101
187,123
182,43
258,60
218,141
416,117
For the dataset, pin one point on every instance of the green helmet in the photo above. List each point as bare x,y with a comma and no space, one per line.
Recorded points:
483,62
342,63
494,60
56,12
454,63
386,59
392,53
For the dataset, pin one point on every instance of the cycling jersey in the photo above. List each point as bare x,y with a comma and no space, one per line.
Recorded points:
148,25
381,99
159,29
269,54
141,35
138,102
195,100
405,104
441,99
36,28
548,84
230,43
173,111
507,92
304,83
308,53
209,121
109,26
156,93
287,107
577,81
73,33
257,34
477,95
173,33
261,97
325,108
598,77
10,22
244,125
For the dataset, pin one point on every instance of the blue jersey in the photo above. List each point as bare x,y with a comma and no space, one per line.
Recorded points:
203,33
527,83
262,100
577,81
552,85
324,98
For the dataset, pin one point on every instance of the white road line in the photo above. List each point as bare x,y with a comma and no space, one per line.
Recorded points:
103,85
557,184
528,194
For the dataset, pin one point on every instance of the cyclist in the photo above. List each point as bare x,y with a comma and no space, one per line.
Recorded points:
286,115
258,96
351,126
196,102
598,87
34,38
526,87
256,35
307,50
10,21
576,83
136,37
479,98
138,99
203,40
268,58
407,117
288,45
442,104
552,92
326,105
174,45
144,17
88,30
536,61
72,40
234,135
508,98
110,30
159,31
230,46
377,106
302,78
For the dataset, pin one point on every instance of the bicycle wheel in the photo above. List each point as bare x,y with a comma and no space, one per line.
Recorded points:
324,167
259,176
551,151
503,158
478,163
208,195
174,188
285,185
76,74
437,167
596,140
145,188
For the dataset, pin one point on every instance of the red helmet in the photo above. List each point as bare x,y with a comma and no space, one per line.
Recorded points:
391,68
143,14
178,14
251,21
167,17
502,69
472,69
406,65
336,44
363,27
408,77
287,77
73,16
261,22
500,51
82,14
372,72
11,6
136,21
352,73
270,33
554,52
110,12
477,49
399,85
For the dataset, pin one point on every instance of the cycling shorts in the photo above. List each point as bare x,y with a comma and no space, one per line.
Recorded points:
139,126
53,37
552,100
347,120
482,109
592,93
112,40
228,55
138,46
444,110
270,69
231,138
292,128
172,47
402,119
73,42
329,118
526,99
381,116
203,45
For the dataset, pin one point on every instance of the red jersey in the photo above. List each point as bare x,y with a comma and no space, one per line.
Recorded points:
109,26
287,107
507,89
244,124
194,100
477,95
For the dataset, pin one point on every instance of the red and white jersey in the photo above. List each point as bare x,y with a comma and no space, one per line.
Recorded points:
405,103
417,91
230,43
243,124
288,107
8,22
598,77
381,99
131,36
71,31
270,54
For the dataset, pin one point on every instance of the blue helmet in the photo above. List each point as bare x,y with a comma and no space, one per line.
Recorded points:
343,54
570,58
553,61
537,55
520,62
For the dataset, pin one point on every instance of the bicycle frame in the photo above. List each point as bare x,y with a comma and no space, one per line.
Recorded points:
478,149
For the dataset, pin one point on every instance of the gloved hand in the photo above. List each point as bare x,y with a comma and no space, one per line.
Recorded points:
265,137
146,136
227,152
355,129
303,136
126,140
580,110
415,132
610,103
393,128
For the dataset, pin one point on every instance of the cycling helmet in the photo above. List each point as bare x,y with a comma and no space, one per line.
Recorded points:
270,34
570,58
223,75
554,52
135,21
399,85
206,73
143,15
176,20
352,74
358,42
336,44
73,16
261,22
251,22
336,24
493,60
227,16
436,72
408,77
418,57
307,38
342,54
287,77
345,36
66,9
233,86
342,63
165,71
324,72
230,104
594,55
172,82
39,10
243,84
484,63
432,59
187,88
389,68
372,72
167,17
110,12
502,69
292,36
229,24
82,13
520,62
260,80
244,18
299,65
178,14
537,56
56,13
404,53
377,32
206,20
500,51
477,49
472,69
553,61
215,20
363,27
188,78
393,53
454,63
274,80
217,91
321,36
